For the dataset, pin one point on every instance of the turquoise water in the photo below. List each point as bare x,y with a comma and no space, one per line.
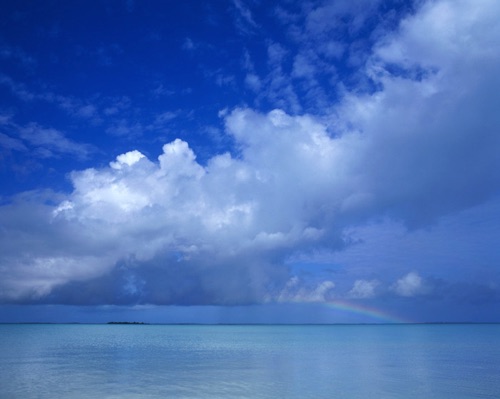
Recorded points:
343,361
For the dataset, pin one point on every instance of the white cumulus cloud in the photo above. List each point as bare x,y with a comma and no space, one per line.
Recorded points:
364,289
410,285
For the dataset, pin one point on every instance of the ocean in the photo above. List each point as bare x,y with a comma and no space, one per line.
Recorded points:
250,361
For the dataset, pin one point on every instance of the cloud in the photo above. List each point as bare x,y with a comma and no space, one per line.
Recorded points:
279,86
442,33
409,285
253,82
122,127
188,44
40,141
72,106
127,159
232,218
303,66
17,55
422,145
48,142
244,19
11,143
327,45
364,289
296,290
351,15
429,136
18,89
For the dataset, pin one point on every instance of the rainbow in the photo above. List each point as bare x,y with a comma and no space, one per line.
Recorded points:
365,311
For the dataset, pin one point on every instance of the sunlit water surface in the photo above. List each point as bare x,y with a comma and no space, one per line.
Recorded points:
344,361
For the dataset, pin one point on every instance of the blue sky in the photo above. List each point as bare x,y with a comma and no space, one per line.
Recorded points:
250,161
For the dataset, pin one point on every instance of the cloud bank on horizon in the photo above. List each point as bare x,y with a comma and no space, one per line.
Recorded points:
407,146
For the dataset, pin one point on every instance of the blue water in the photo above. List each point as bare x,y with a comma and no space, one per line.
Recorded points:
345,361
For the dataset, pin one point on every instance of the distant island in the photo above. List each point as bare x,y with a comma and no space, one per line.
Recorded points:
126,322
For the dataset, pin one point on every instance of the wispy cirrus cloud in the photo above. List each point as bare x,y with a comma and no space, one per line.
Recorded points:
11,143
323,52
244,19
70,104
40,141
18,55
117,116
48,142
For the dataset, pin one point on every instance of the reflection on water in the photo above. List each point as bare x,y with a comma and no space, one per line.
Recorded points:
346,361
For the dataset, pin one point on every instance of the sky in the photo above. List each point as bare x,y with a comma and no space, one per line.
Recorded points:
247,161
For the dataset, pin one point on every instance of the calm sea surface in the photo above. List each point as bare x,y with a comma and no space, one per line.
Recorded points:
343,361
